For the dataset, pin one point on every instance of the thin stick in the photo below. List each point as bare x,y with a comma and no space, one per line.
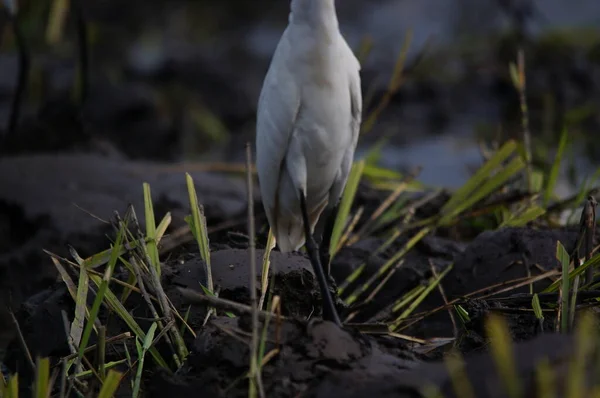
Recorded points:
588,217
63,379
122,336
138,271
573,303
101,352
22,340
179,349
194,297
519,282
265,288
254,371
390,200
445,298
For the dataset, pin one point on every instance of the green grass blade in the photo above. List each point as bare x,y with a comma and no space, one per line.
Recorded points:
382,212
460,380
107,366
152,243
190,222
503,354
585,342
519,219
162,227
514,75
273,303
71,287
555,169
393,86
373,172
584,191
42,378
385,268
546,387
573,301
351,278
463,314
266,264
101,258
183,327
430,390
116,306
80,308
433,284
142,353
359,270
101,292
537,181
197,223
492,184
131,281
563,257
408,298
11,389
537,308
592,262
373,155
110,385
345,206
59,10
480,176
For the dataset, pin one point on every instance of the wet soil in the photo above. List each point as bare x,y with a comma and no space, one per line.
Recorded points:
50,200
56,200
312,358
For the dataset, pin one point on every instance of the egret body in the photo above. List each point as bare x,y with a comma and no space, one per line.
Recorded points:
308,120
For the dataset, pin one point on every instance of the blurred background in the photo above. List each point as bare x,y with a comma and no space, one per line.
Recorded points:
179,79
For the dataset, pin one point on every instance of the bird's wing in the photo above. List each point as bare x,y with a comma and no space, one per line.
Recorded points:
356,104
278,107
355,97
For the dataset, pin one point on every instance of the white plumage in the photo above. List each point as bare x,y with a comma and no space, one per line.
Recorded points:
308,120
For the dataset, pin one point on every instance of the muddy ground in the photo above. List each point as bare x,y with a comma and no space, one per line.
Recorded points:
315,358
54,199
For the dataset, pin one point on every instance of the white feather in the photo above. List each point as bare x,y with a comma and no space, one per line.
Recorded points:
309,115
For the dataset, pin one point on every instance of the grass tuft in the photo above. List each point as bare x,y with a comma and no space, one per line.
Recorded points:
503,355
345,206
197,223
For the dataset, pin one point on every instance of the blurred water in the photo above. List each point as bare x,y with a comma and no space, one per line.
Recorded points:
448,161
438,158
443,21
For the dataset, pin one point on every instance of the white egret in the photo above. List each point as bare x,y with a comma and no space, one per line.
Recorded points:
308,121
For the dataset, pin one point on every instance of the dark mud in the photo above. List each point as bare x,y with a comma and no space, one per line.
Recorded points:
314,358
50,200
53,200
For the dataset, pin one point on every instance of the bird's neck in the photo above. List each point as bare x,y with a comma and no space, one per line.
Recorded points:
319,14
